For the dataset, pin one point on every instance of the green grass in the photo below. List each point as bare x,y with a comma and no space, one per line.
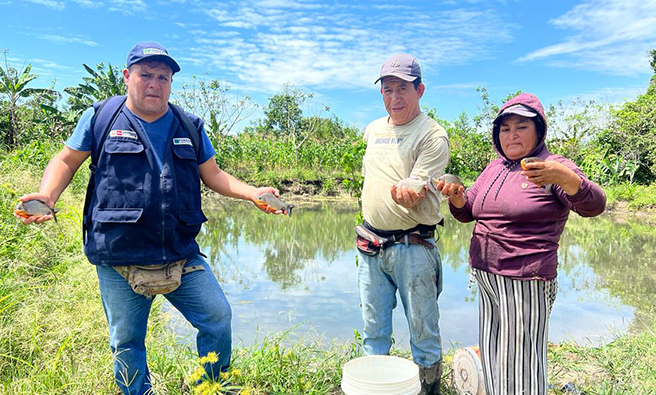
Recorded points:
634,197
54,338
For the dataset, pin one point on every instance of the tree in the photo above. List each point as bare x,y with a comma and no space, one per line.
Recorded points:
573,124
652,63
284,116
471,149
101,85
13,86
489,109
284,113
212,101
632,136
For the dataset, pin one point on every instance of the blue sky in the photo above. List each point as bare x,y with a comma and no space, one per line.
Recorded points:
595,49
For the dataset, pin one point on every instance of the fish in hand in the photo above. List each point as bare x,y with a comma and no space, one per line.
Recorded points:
270,200
413,183
530,159
451,179
534,159
35,208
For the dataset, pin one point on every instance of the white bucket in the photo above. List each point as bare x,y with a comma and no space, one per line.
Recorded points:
467,372
380,375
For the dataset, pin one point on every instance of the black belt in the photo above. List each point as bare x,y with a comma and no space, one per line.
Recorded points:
414,238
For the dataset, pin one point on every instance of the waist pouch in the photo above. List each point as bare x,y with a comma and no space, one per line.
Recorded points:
370,242
149,280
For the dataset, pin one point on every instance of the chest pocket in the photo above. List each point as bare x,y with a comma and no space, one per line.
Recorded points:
126,161
186,168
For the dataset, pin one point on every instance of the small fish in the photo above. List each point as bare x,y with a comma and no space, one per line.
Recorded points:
34,208
451,179
413,183
270,200
534,159
530,159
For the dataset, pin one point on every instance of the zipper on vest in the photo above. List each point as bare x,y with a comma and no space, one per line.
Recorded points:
163,200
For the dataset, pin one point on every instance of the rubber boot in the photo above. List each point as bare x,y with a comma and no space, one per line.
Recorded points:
430,378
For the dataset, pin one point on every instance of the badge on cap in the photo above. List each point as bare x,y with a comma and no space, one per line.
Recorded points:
123,133
153,51
182,141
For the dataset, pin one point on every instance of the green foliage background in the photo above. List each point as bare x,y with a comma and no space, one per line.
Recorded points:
300,147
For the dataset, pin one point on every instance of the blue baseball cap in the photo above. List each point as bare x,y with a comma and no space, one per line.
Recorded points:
152,51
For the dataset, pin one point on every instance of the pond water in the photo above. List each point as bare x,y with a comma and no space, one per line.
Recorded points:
298,273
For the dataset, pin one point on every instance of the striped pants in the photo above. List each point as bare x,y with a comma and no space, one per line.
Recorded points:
513,333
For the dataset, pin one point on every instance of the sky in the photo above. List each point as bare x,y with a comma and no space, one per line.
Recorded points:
558,50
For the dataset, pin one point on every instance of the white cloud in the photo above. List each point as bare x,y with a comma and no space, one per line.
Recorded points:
128,7
460,86
89,3
50,65
612,36
57,5
308,44
68,40
614,96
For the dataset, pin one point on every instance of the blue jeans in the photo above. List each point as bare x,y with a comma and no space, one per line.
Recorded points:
199,298
416,272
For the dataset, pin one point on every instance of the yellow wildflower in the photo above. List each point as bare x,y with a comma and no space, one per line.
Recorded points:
224,375
236,373
202,388
196,375
210,358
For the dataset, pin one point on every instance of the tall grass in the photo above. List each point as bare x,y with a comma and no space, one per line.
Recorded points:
54,337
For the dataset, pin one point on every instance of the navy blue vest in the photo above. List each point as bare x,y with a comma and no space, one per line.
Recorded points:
138,213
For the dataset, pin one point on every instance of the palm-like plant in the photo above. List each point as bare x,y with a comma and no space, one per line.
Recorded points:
13,86
99,86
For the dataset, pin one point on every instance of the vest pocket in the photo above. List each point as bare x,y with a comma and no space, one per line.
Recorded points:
184,151
192,218
125,160
186,169
190,222
116,235
117,215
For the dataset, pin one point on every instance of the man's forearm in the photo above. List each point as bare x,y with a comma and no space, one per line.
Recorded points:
56,177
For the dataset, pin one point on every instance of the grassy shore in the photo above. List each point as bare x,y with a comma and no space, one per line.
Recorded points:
54,340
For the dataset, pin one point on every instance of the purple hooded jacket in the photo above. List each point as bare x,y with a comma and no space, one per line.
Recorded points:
518,225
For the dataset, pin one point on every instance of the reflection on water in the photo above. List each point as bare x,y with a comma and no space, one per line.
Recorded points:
279,272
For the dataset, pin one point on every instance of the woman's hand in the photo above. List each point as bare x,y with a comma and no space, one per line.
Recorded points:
454,192
552,172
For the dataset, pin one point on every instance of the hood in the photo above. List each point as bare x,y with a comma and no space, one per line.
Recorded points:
531,101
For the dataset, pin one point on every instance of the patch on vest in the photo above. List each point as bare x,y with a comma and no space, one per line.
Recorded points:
123,133
182,141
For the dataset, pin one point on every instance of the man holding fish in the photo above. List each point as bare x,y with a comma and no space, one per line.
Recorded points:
143,212
404,150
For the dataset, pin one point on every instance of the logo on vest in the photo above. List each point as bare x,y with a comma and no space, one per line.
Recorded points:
123,133
182,141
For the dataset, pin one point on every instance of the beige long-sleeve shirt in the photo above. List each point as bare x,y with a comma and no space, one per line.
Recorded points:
420,149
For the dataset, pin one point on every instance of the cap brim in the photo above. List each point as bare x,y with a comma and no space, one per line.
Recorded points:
175,67
518,110
404,77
